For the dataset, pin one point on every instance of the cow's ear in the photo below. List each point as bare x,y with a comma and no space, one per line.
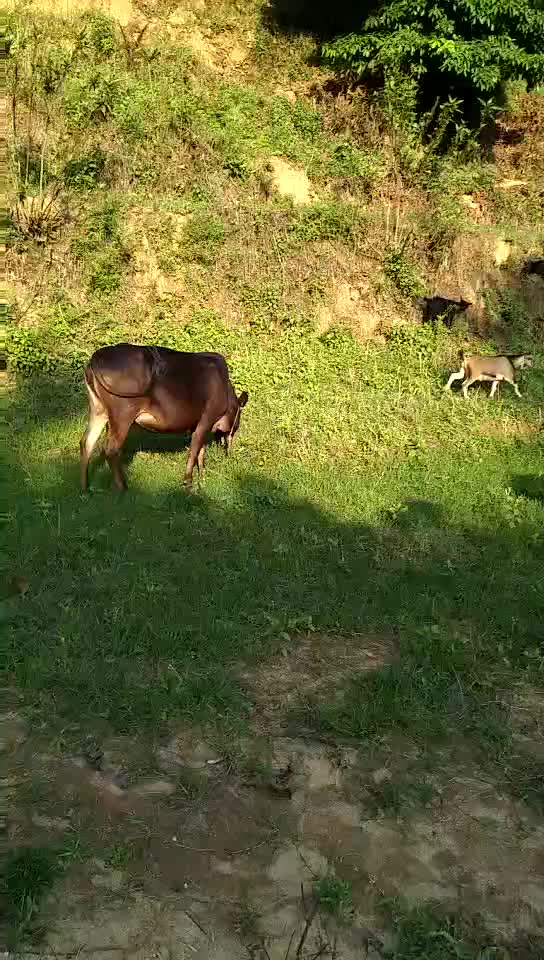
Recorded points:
243,398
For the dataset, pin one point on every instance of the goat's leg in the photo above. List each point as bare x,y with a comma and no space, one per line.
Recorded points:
455,376
516,388
493,390
467,383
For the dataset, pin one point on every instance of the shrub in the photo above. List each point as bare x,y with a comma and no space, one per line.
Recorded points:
400,270
204,235
97,34
464,49
107,272
325,221
25,353
102,247
86,171
93,95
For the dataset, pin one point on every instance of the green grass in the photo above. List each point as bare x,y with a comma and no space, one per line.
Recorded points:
430,933
335,897
25,877
358,498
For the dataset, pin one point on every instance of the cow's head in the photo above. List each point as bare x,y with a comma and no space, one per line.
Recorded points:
235,424
227,427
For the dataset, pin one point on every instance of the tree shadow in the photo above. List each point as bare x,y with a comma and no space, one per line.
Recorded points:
144,608
529,485
322,20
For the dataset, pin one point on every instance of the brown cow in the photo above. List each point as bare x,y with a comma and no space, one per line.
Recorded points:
162,390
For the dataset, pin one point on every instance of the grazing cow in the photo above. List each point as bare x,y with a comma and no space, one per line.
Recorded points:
440,308
162,390
494,369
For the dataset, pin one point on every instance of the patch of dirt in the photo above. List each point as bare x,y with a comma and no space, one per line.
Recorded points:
316,661
353,305
120,9
290,181
503,250
205,860
508,427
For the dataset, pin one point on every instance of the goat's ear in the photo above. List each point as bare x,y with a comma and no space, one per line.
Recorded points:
243,398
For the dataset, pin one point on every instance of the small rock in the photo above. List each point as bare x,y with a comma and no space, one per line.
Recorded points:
106,784
50,823
155,788
381,775
114,880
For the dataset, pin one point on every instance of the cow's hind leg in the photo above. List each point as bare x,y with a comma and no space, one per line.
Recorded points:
118,430
98,419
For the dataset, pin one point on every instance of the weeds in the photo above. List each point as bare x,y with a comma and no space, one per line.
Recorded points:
39,217
335,898
204,236
26,877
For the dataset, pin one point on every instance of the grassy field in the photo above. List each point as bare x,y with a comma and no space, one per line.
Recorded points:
360,502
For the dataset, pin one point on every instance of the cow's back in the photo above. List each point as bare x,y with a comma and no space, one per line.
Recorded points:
124,370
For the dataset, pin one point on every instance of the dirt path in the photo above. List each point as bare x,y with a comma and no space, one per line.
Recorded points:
188,850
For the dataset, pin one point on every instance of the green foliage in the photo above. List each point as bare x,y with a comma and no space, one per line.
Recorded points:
349,160
335,897
93,94
97,34
423,933
25,352
102,249
400,270
472,45
204,236
27,875
107,271
417,341
395,796
86,171
324,221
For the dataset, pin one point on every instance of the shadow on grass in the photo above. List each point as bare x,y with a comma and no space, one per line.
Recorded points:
529,485
142,609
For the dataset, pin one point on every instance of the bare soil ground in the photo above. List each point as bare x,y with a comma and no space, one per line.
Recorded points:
194,849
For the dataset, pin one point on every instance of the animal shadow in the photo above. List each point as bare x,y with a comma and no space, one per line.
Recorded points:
529,485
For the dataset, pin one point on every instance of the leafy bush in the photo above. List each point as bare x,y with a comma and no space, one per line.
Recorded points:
97,34
324,221
25,353
107,272
418,341
93,95
460,48
103,248
401,271
350,161
86,171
